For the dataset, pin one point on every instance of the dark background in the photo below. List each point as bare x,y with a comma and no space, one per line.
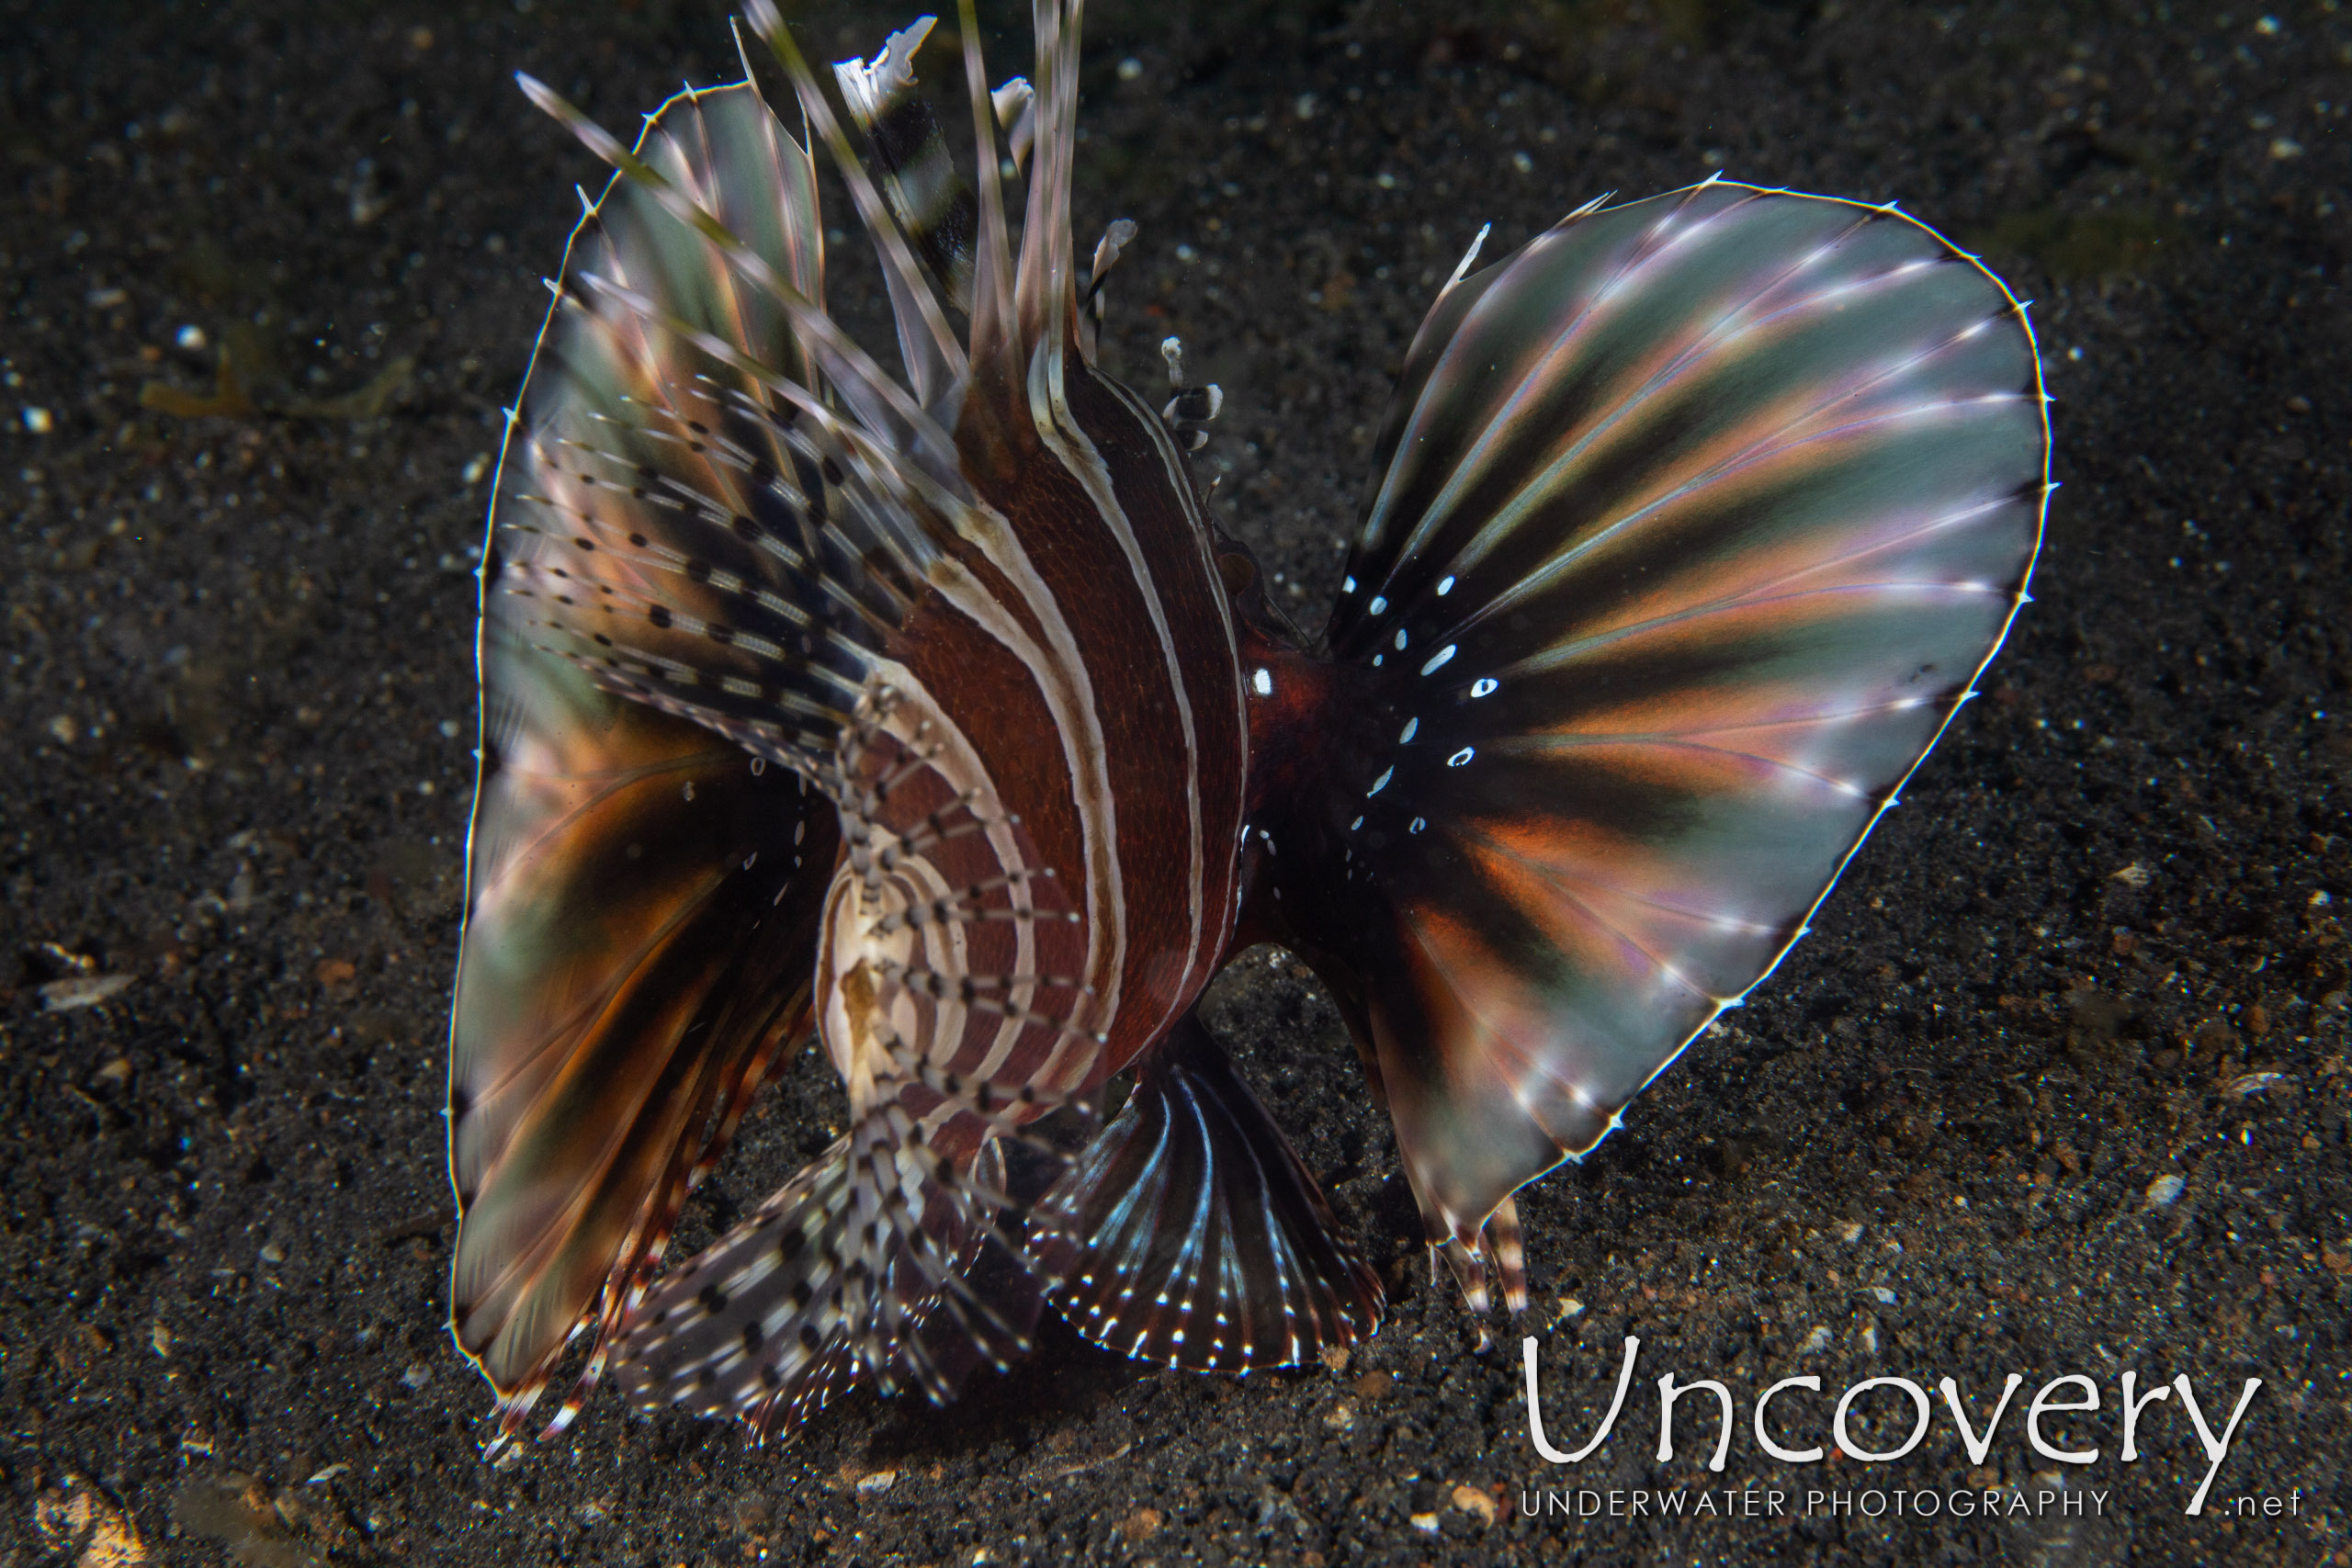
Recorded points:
2102,943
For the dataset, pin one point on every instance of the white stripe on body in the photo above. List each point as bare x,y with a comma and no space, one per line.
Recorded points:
917,721
1069,691
1049,410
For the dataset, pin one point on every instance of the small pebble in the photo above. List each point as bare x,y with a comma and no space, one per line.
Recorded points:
2249,1084
2163,1189
80,991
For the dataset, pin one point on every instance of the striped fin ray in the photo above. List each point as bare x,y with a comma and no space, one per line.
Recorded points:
642,918
1501,1243
1047,289
1698,518
697,243
934,359
692,519
927,196
1189,1232
898,1257
863,1266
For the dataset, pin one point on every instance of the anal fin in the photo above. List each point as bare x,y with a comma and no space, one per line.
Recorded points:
1189,1232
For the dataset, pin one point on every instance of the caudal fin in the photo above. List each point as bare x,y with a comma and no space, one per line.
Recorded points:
1189,1232
1697,520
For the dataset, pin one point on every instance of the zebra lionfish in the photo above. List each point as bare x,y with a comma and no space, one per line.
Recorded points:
928,711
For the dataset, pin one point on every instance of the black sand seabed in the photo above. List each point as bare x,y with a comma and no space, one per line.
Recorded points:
2099,950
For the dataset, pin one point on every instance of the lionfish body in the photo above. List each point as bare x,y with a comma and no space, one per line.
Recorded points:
929,714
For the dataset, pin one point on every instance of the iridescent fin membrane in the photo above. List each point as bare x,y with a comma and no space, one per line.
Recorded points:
1698,519
1189,1232
643,908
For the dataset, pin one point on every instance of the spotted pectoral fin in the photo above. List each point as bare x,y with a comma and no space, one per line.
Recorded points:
641,927
880,1262
1189,1232
712,503
1697,520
